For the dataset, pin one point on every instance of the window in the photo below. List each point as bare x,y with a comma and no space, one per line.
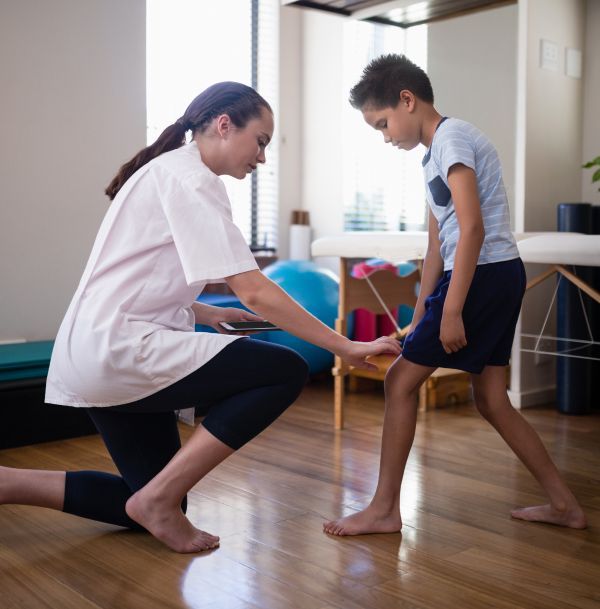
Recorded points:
383,187
191,45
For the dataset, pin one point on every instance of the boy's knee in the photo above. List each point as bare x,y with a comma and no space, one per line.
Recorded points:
401,394
479,397
393,374
480,404
486,404
395,384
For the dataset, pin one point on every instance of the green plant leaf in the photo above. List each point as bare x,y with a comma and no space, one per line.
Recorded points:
596,175
589,164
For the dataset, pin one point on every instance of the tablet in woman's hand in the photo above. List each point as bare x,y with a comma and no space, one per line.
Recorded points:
247,326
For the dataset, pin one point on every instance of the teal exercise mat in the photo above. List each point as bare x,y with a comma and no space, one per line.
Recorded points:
20,355
25,360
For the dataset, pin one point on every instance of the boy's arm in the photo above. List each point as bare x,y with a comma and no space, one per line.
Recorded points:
433,266
463,186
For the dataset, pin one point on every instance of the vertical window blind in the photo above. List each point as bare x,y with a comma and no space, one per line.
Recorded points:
265,50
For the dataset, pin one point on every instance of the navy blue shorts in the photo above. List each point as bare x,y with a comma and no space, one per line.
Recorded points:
489,315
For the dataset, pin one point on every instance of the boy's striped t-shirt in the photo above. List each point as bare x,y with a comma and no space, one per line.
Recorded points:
456,141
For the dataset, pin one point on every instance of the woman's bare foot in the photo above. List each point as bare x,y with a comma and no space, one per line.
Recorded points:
573,518
168,524
366,521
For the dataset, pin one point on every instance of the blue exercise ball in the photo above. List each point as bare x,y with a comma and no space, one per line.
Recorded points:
317,290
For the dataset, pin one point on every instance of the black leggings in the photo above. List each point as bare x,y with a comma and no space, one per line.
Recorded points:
242,390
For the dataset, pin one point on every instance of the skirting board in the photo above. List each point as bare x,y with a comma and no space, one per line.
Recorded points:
532,397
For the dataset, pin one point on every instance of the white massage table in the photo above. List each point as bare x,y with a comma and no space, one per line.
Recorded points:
556,249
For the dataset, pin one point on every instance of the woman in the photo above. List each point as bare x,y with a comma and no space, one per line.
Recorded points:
127,351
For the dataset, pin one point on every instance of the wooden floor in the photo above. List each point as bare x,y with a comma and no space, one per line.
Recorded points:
459,548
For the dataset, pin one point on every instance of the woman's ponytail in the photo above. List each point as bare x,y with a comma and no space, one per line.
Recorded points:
171,138
240,102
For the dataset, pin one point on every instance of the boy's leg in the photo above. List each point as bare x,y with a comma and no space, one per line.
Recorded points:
402,384
492,401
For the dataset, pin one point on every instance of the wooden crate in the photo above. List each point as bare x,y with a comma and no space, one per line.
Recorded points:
445,387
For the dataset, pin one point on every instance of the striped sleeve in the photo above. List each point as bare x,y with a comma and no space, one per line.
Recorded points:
455,146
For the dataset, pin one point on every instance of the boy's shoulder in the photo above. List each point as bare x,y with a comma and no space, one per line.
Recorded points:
458,141
456,134
456,128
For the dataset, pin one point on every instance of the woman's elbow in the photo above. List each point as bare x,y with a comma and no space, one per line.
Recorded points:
248,287
251,299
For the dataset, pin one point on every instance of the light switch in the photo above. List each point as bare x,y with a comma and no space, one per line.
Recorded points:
573,63
548,55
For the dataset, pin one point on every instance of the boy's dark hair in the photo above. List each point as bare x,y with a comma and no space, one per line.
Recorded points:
384,78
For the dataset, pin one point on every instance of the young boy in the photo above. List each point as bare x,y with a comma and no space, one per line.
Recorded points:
471,290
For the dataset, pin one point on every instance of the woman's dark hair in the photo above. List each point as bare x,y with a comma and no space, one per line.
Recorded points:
239,102
384,78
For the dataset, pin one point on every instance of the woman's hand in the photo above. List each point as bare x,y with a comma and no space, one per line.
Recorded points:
230,314
357,353
452,332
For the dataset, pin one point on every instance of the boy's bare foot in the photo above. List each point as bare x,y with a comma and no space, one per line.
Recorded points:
168,524
573,518
364,522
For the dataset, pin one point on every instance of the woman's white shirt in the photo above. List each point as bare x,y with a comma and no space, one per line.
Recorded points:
129,330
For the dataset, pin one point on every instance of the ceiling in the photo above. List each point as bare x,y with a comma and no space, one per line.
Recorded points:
401,13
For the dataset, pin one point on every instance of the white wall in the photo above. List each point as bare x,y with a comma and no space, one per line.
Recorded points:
72,85
551,113
322,99
472,61
591,100
549,157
